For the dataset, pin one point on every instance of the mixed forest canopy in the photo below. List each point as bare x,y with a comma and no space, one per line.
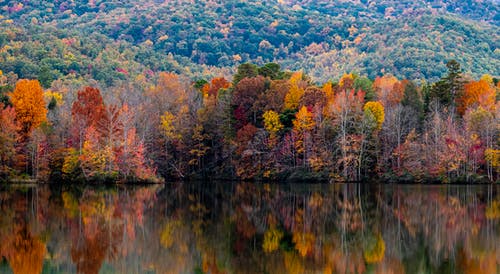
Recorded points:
266,124
115,40
273,90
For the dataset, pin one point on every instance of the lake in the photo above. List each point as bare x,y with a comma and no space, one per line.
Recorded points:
250,228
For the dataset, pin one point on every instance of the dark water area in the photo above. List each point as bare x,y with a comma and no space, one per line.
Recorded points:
250,228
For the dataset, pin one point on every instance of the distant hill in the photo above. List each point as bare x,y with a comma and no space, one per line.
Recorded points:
107,40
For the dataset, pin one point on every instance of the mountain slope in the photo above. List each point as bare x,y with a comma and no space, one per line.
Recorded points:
410,39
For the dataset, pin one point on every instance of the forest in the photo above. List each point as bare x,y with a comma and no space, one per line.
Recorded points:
266,124
110,41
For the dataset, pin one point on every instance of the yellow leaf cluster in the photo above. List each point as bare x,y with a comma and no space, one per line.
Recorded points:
70,161
303,120
48,95
272,239
272,122
492,156
293,96
377,109
167,125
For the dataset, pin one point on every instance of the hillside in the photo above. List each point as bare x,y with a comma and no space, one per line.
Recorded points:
107,40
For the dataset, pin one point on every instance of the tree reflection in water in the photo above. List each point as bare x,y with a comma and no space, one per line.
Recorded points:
250,228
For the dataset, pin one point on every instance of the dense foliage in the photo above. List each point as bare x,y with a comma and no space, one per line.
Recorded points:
111,40
267,124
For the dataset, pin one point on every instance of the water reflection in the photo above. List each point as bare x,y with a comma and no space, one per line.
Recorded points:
249,228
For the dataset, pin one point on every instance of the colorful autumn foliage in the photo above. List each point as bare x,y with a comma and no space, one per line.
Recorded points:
272,122
377,110
27,99
477,93
267,124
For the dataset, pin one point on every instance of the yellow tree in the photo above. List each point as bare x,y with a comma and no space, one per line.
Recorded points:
272,122
9,137
377,110
168,127
302,125
296,91
29,104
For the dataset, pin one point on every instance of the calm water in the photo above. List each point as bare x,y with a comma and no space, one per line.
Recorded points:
249,228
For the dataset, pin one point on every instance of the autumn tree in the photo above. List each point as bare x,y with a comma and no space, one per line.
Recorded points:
215,85
132,159
377,110
347,112
244,100
9,138
88,110
96,159
479,93
272,122
386,90
303,125
296,91
313,97
274,96
29,104
411,157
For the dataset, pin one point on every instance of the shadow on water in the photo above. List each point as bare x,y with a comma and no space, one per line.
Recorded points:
250,228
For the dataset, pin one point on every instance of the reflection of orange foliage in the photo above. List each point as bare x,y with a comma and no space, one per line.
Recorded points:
304,243
25,253
293,263
89,253
485,263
